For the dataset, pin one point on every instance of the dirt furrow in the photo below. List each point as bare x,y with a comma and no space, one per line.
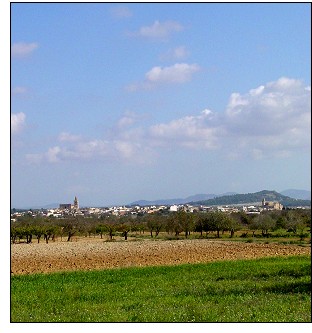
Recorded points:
89,255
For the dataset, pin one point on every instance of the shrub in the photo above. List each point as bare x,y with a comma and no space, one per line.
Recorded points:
303,236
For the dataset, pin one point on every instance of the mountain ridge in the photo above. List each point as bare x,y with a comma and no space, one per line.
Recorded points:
229,198
177,201
255,197
297,194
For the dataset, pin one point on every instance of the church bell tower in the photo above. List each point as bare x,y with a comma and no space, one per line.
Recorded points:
76,203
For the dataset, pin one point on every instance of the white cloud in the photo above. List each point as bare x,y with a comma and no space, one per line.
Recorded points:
125,149
178,53
128,119
117,149
178,73
22,49
273,120
93,147
121,12
81,150
158,30
191,131
274,108
17,122
52,154
67,137
175,74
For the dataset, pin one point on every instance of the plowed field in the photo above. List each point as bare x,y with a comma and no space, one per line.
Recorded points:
89,254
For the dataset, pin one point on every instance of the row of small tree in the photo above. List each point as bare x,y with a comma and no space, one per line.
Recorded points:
28,227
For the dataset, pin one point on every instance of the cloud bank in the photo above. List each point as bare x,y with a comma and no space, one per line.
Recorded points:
272,120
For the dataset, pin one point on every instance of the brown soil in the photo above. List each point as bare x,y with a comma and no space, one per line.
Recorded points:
90,254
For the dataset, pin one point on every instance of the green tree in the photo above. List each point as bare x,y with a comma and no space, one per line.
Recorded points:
38,231
100,229
124,226
254,226
28,234
153,222
199,222
241,217
91,225
185,222
295,221
159,223
172,224
111,229
20,233
49,232
14,233
281,222
264,223
70,227
207,223
110,222
217,221
150,223
233,225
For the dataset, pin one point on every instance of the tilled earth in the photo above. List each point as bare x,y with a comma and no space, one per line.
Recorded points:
90,254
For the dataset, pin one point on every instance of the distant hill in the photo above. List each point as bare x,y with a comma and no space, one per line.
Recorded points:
256,197
177,201
297,194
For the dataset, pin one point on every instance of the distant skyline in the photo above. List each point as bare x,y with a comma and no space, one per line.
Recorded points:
118,102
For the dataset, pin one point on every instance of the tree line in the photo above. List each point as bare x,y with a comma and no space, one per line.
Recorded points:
181,223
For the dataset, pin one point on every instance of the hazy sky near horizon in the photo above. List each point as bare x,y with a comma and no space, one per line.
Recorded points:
115,102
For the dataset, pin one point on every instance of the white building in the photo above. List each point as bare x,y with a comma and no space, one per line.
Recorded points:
173,208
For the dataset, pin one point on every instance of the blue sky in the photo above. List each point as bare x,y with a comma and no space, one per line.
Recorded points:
114,103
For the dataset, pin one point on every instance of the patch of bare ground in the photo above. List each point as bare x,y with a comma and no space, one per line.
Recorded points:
91,254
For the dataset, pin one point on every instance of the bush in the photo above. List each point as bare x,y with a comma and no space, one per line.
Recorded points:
303,236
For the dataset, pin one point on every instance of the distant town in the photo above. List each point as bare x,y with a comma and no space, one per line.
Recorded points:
73,209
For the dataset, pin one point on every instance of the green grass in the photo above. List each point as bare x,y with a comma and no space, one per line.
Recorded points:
263,290
279,236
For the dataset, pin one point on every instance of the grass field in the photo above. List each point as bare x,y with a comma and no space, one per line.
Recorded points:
278,236
263,290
